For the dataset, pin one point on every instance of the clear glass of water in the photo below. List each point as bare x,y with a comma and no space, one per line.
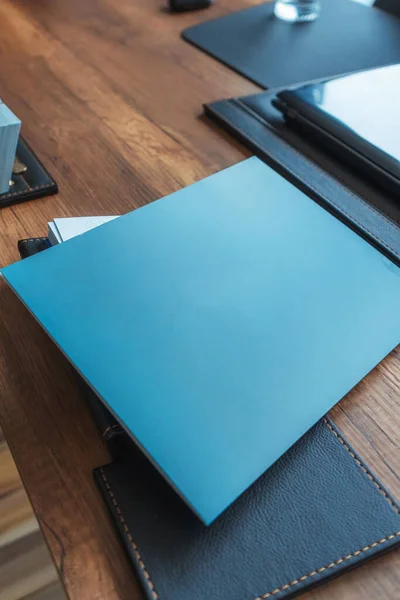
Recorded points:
297,11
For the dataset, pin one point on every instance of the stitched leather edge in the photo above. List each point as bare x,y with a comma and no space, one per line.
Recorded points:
263,596
295,581
129,536
33,189
50,183
327,567
363,467
311,187
27,240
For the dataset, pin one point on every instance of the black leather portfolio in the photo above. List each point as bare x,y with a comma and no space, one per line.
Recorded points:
365,207
314,514
34,182
354,117
346,37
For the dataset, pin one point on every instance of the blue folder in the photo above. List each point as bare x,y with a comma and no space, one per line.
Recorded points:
217,324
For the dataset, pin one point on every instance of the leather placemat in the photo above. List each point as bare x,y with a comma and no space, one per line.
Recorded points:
317,512
346,37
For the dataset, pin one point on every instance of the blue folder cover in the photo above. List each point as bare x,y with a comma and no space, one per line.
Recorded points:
218,324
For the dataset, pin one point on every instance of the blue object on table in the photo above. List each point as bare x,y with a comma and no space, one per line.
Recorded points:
218,324
10,127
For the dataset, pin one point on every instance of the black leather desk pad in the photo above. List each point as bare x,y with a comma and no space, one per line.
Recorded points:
346,37
36,182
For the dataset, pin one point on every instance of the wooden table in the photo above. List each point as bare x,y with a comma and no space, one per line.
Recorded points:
110,98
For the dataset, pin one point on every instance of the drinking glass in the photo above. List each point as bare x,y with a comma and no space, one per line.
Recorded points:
297,11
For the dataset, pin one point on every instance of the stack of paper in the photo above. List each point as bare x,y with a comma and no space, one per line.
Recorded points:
63,229
10,126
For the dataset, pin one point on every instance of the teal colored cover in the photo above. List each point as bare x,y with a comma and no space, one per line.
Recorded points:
218,324
10,127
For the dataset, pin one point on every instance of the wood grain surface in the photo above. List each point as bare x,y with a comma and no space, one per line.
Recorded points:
26,569
110,98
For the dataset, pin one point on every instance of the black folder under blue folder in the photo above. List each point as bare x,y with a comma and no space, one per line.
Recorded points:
217,324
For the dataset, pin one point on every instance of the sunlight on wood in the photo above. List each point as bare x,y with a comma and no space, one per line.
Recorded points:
26,569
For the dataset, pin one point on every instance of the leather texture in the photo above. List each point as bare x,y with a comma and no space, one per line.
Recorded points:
35,183
276,54
369,210
31,246
314,514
